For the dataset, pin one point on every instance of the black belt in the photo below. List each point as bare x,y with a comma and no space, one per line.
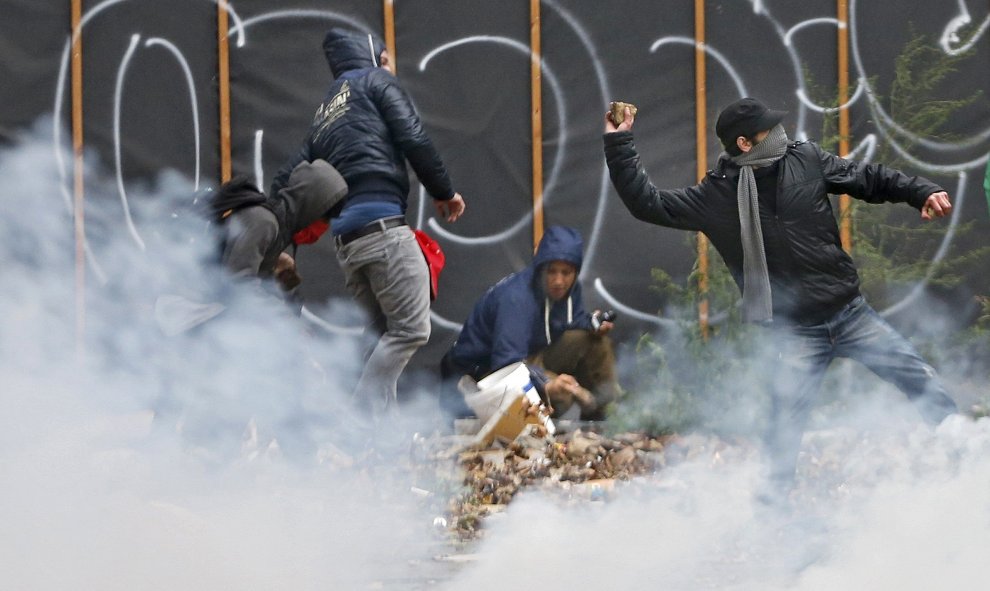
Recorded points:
375,226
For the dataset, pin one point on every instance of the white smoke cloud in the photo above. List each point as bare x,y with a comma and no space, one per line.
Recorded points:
139,461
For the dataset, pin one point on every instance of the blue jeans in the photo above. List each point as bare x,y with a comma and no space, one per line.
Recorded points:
387,275
804,353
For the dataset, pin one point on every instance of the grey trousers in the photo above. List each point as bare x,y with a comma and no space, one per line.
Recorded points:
387,275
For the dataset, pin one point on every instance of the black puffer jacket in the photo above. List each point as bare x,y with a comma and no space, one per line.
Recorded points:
367,126
806,261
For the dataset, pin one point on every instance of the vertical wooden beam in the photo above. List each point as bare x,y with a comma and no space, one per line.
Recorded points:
536,105
78,193
845,209
701,154
388,12
223,74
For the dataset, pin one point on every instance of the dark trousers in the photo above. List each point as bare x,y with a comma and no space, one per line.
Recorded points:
803,354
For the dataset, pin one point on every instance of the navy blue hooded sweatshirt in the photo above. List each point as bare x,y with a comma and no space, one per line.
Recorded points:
510,322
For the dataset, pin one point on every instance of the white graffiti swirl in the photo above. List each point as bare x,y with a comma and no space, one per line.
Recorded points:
561,136
193,104
951,41
117,93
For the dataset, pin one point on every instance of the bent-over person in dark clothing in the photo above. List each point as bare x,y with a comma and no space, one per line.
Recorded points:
255,238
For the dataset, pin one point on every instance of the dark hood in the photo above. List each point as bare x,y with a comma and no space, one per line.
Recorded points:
559,243
510,322
313,188
351,50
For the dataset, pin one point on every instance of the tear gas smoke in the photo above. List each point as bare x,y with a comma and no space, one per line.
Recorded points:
138,461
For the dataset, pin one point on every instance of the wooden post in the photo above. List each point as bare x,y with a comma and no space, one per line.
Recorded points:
388,11
845,209
536,104
223,74
78,193
701,155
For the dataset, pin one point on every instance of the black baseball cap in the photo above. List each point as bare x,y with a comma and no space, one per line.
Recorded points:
745,117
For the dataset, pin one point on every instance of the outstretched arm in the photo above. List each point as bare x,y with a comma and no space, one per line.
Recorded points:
405,126
407,130
878,183
676,208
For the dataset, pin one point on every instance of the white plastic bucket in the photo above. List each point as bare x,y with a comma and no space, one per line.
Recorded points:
508,382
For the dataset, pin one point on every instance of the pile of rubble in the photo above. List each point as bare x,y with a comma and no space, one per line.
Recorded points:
579,465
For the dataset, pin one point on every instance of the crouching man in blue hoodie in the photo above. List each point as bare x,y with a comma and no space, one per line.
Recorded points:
536,315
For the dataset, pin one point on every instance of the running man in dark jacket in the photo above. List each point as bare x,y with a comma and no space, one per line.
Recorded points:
536,315
367,128
765,207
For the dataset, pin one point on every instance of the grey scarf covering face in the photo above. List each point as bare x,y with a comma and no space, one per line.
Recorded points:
757,306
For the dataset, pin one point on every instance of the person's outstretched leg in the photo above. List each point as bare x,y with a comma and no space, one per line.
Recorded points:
867,338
